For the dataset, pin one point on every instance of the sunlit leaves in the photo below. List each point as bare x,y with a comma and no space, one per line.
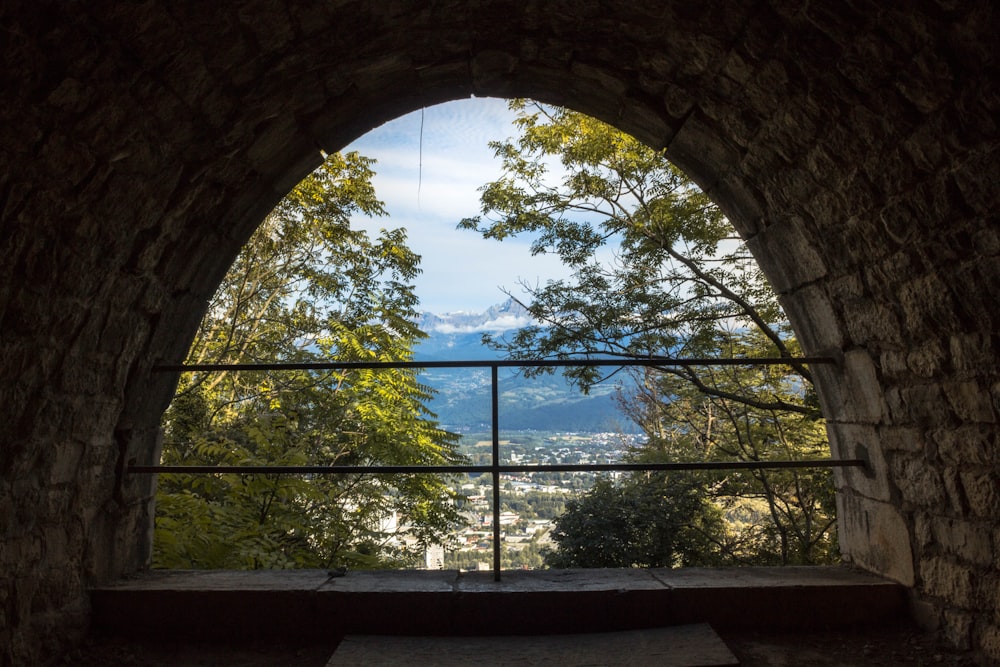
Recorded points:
656,265
307,287
659,271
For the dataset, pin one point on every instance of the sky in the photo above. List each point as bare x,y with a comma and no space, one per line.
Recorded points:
429,189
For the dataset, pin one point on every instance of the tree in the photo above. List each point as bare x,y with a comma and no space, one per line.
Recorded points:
780,516
659,272
644,521
306,287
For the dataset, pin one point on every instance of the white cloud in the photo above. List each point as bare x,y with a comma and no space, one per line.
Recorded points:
429,195
497,325
462,124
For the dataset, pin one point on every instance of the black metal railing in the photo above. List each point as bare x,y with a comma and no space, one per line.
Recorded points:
495,468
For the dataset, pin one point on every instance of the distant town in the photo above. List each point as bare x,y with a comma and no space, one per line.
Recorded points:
544,420
529,502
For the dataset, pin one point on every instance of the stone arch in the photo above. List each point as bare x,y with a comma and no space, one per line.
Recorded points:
854,146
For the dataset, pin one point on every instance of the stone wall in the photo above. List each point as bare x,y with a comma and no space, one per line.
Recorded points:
854,146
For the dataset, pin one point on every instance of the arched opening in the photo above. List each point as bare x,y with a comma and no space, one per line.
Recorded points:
693,154
855,150
656,272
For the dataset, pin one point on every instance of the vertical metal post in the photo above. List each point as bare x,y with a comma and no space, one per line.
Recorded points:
495,400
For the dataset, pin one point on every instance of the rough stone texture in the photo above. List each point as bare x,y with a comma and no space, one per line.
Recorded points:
680,646
308,604
854,144
874,536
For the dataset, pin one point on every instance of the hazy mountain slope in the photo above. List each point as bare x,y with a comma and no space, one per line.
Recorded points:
545,403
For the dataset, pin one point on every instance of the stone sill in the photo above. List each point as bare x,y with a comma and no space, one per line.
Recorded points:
214,604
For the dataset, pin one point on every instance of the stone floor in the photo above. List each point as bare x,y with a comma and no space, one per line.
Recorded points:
767,617
678,646
898,647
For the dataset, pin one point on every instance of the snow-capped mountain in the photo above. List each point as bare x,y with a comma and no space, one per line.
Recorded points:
458,336
544,403
498,318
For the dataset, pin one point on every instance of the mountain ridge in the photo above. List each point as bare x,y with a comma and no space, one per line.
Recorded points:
497,318
543,403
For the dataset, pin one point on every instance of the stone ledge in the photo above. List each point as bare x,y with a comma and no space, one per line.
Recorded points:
227,604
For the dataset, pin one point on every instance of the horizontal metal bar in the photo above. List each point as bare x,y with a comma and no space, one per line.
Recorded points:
497,363
343,470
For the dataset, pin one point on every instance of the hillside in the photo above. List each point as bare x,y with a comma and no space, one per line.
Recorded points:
544,403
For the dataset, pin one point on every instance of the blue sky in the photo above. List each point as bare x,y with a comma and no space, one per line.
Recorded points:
428,196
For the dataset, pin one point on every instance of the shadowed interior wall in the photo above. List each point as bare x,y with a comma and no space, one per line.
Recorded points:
853,145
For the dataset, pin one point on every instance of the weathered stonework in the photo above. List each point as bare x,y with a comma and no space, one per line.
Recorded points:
854,144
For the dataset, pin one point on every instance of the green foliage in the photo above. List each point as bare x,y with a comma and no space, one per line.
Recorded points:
777,516
467,560
526,556
658,271
306,287
537,505
645,521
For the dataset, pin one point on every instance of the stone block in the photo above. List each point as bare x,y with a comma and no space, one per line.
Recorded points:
970,401
893,364
872,322
688,150
923,532
60,586
898,413
741,204
969,540
677,101
923,403
956,629
988,638
966,445
918,481
874,536
901,439
850,392
987,240
850,441
688,645
952,582
846,288
927,302
982,492
971,353
990,591
953,491
777,245
926,615
817,325
926,360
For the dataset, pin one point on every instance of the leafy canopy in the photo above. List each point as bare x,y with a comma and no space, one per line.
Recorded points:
657,270
306,287
644,521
